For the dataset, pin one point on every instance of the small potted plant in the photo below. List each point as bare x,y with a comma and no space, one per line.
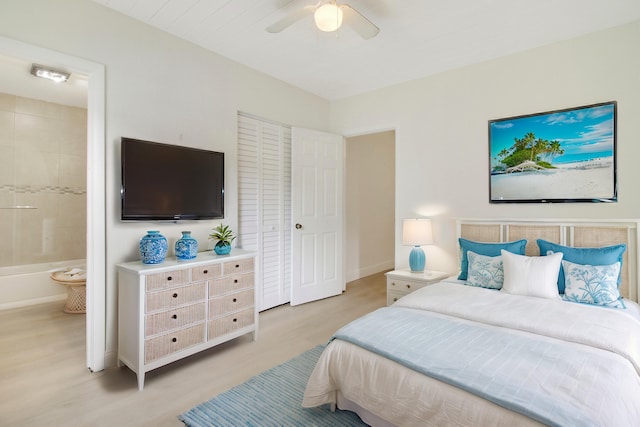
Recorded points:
224,236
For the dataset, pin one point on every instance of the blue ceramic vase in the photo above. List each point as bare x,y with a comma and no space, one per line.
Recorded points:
222,248
153,248
186,247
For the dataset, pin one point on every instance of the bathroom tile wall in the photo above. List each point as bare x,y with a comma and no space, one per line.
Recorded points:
43,151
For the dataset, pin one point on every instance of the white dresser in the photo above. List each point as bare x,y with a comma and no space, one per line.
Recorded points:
175,309
402,282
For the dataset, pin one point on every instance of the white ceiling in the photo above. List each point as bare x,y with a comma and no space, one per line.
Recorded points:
417,38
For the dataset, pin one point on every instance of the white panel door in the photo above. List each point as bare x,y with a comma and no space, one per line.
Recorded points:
317,191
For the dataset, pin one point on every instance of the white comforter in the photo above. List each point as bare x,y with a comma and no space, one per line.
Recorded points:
404,397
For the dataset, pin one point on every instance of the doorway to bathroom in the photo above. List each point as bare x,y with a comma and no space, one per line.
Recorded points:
43,185
52,187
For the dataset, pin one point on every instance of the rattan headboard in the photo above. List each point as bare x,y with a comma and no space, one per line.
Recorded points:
575,233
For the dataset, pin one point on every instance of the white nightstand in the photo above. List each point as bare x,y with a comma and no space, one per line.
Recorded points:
403,282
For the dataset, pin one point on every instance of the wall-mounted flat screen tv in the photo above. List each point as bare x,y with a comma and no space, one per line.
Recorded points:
557,156
170,182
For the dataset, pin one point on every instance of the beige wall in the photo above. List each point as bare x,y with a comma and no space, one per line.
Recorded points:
159,88
370,204
43,151
441,130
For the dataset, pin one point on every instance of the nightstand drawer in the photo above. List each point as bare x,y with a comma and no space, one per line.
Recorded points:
393,296
403,286
403,282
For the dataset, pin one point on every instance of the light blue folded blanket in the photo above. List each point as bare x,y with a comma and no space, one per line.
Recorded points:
552,381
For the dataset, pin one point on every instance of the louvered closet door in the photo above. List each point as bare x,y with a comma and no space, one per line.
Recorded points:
264,205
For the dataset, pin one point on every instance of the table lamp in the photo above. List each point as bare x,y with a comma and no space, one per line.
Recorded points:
417,232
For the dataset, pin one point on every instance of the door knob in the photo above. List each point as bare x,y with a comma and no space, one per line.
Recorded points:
298,226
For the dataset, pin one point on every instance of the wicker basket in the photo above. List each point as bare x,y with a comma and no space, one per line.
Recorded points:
76,291
76,299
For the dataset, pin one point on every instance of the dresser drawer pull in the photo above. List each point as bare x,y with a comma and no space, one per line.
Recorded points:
175,316
169,278
237,265
408,286
395,299
235,300
174,339
205,271
235,320
393,283
235,280
175,295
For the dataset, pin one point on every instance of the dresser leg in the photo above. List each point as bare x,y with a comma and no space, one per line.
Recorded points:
140,380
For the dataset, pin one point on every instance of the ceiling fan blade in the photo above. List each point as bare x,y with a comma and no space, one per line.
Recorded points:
359,23
290,19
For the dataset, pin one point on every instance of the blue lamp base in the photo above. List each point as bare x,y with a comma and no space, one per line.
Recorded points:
417,259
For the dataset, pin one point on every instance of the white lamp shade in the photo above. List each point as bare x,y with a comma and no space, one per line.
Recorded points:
328,17
417,232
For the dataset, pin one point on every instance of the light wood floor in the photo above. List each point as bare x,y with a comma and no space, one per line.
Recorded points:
44,381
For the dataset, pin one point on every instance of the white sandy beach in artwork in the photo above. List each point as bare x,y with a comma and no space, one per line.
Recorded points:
584,180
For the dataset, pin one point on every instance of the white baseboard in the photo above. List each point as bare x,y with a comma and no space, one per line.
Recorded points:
369,270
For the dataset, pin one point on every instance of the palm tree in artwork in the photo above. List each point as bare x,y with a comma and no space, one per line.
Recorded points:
527,152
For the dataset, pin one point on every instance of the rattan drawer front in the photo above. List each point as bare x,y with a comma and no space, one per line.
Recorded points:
230,303
229,284
167,279
236,267
173,319
205,272
175,297
227,324
164,345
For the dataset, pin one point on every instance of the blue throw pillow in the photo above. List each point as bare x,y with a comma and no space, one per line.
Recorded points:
605,255
486,249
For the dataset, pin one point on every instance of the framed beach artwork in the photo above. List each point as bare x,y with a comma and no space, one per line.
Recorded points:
554,157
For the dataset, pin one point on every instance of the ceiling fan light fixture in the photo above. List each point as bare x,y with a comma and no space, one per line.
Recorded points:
328,17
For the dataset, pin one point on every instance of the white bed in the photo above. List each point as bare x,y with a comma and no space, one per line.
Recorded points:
598,384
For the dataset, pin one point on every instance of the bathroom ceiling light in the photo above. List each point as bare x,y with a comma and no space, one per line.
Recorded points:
57,76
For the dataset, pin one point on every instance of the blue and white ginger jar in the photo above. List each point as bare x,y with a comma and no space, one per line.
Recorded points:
186,247
153,248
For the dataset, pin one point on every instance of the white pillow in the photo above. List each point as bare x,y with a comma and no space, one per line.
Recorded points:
532,276
485,271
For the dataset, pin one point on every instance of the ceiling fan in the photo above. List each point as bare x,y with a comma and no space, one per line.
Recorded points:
329,16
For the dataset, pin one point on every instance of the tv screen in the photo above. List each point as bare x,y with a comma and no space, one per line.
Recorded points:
557,156
170,182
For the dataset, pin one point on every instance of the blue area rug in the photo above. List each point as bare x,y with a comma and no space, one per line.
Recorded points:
272,398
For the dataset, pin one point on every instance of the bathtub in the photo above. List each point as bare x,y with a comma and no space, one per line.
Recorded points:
25,285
